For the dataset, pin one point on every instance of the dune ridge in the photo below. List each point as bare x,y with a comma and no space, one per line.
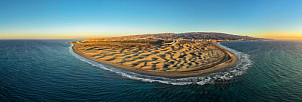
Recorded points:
181,60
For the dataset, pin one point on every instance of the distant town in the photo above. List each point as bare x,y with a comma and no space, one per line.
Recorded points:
169,39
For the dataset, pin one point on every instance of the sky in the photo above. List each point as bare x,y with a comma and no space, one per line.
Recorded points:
279,19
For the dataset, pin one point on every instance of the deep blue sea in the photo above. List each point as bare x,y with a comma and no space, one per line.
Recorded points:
48,70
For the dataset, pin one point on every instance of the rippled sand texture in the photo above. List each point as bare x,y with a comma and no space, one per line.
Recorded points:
183,57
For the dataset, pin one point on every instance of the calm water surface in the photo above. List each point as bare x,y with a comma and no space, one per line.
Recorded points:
47,70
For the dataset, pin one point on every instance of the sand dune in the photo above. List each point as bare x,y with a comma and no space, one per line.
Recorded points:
162,59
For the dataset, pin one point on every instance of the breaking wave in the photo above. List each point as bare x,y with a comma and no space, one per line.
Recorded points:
237,69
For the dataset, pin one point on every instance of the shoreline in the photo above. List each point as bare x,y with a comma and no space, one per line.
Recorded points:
228,61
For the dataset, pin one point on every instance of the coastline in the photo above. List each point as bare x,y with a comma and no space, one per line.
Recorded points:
227,62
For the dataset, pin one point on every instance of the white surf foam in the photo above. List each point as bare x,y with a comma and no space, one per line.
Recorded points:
238,69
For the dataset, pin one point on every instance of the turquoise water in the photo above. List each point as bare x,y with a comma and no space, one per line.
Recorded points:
47,70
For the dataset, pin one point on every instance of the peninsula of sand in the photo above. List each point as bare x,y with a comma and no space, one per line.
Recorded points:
156,56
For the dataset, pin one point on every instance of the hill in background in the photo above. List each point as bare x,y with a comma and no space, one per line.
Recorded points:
188,36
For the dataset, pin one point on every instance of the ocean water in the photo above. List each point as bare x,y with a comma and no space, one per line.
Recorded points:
48,70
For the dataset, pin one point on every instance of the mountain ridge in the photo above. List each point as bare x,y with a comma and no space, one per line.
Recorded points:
186,35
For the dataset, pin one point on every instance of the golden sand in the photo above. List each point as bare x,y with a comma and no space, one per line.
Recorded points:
170,61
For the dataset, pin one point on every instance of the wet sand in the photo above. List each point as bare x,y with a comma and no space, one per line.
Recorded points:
167,60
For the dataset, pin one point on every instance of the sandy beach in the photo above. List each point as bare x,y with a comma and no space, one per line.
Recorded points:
167,60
